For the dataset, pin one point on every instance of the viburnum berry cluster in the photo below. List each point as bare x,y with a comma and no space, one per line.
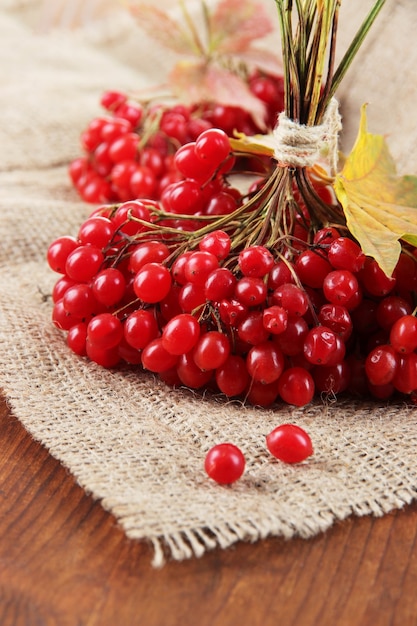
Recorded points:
147,285
256,291
128,151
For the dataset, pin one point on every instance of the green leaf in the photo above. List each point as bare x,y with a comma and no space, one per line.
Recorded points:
380,207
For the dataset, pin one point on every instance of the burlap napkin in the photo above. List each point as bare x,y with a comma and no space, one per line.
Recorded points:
131,442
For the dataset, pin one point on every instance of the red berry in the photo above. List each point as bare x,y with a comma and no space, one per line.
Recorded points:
250,291
291,298
381,365
212,146
289,443
58,252
346,254
403,334
181,334
198,266
374,280
104,331
156,359
312,268
232,377
212,350
76,338
340,287
152,283
217,242
319,345
109,286
255,261
140,328
225,463
220,285
296,386
265,362
190,374
83,263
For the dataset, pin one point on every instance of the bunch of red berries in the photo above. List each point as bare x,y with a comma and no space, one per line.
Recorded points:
129,151
207,290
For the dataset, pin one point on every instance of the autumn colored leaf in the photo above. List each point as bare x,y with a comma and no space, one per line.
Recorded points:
165,30
196,81
256,145
235,24
380,207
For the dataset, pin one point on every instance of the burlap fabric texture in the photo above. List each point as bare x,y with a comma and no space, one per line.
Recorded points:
131,443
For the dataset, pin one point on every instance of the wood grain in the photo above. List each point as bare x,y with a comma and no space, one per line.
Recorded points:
65,562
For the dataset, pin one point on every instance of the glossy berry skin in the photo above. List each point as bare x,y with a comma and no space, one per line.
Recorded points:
109,286
340,287
250,291
76,338
83,263
255,261
220,285
312,268
212,350
289,443
198,267
224,463
212,146
104,331
140,328
265,362
58,252
218,243
232,377
405,379
152,283
296,386
403,334
156,359
190,374
374,280
181,334
319,345
381,365
290,297
346,254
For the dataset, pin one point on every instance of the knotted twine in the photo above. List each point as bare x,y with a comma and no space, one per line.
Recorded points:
299,145
132,443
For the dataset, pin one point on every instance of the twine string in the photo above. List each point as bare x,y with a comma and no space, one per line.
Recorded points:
299,145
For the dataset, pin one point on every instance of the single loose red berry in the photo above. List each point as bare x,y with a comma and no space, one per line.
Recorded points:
289,443
224,463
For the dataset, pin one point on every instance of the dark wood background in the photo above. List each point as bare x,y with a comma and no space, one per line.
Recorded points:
65,562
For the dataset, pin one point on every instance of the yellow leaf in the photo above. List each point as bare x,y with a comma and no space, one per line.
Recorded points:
380,207
253,144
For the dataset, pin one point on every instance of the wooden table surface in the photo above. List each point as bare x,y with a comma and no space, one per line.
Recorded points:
65,562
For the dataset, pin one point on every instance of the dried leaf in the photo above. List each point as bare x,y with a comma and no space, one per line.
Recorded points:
261,59
196,81
163,29
235,24
254,144
380,206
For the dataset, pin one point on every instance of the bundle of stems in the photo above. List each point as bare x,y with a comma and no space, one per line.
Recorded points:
308,30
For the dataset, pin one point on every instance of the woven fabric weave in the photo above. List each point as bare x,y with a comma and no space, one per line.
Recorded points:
129,441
